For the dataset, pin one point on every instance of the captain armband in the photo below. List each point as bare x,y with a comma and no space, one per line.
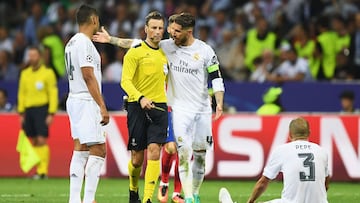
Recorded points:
216,79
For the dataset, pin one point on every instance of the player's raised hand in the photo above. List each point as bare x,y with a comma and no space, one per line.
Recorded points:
101,36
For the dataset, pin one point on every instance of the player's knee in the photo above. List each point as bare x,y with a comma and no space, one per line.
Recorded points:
40,140
137,158
153,151
199,158
98,150
184,154
171,148
136,163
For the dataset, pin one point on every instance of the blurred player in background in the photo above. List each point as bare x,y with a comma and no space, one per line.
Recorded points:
37,104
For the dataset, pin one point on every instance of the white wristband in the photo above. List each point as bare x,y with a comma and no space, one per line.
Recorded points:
218,85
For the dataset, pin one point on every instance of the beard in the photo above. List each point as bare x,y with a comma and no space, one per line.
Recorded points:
180,41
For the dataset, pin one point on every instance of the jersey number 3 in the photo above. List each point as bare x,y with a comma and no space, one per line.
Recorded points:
309,164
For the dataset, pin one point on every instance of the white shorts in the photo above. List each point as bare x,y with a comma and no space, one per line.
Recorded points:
84,115
192,129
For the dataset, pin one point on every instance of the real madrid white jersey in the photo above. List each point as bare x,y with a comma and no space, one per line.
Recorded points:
188,77
80,52
304,166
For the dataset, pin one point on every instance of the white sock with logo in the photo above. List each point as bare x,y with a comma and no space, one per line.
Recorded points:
185,172
198,170
92,175
77,171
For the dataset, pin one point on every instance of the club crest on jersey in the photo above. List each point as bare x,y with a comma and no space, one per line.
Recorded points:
89,58
180,139
196,56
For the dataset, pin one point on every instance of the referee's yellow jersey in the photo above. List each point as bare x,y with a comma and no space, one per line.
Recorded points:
37,88
144,73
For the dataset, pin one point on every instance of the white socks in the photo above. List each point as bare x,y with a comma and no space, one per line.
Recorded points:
191,179
77,171
185,173
92,175
198,169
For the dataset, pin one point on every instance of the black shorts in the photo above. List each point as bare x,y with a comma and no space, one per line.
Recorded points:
35,121
146,126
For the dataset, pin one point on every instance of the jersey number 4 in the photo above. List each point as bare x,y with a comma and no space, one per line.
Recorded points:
69,66
308,163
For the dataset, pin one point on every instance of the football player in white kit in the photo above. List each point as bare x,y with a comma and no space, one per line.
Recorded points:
304,166
86,107
191,63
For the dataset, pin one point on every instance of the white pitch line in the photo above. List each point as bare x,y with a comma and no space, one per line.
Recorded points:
16,195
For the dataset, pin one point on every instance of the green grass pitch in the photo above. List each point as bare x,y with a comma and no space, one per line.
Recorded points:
55,190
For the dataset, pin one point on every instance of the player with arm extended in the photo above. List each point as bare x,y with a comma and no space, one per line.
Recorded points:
169,151
85,107
304,166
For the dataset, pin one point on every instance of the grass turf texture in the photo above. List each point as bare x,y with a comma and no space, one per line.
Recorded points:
55,190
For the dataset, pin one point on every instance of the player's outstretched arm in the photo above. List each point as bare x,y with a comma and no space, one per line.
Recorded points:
259,188
104,37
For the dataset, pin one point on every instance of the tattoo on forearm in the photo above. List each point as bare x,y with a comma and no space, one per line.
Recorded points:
124,43
113,40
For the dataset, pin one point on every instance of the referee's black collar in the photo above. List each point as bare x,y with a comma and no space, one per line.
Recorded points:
151,46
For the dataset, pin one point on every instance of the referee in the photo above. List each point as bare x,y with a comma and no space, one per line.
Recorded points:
37,104
143,79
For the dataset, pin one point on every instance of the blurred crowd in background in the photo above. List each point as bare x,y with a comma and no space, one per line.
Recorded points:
255,40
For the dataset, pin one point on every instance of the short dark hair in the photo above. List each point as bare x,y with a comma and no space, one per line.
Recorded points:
347,94
172,18
340,18
186,20
37,48
323,21
83,14
154,15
